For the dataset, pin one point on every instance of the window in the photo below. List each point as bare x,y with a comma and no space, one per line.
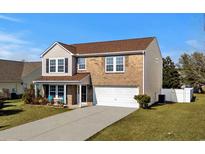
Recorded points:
57,65
81,63
114,64
52,65
60,91
119,63
56,90
109,64
52,90
60,65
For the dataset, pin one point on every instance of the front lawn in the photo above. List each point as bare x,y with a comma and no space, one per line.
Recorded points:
166,122
15,112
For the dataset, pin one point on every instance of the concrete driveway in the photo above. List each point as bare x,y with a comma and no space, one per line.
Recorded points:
78,124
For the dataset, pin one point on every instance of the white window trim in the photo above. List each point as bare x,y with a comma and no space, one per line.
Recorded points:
49,89
56,90
78,64
61,91
50,65
114,65
56,59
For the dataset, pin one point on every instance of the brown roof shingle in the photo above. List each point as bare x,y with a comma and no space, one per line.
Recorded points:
29,67
76,77
13,71
68,47
10,71
113,46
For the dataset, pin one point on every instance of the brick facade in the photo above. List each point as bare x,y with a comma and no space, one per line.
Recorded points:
133,75
71,95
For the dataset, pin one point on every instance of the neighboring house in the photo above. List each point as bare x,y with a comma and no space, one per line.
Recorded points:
104,73
18,75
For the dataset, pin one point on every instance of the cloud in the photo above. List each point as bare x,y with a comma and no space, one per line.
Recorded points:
11,38
14,47
195,44
4,17
20,52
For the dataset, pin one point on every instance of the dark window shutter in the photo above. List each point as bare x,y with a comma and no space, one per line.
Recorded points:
66,65
47,65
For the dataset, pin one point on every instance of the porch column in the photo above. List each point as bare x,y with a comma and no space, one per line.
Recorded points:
42,90
80,103
35,89
65,92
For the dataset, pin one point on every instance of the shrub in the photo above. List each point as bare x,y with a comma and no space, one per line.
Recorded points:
36,101
43,101
143,100
29,95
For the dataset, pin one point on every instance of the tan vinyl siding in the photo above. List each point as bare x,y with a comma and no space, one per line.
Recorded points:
153,71
57,52
11,85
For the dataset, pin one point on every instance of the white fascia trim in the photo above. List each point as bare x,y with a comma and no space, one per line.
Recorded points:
52,47
110,53
59,81
159,49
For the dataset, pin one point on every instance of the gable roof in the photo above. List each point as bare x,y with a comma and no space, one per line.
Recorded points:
13,71
106,46
29,67
68,47
113,46
10,71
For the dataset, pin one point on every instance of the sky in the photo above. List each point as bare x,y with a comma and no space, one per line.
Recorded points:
26,36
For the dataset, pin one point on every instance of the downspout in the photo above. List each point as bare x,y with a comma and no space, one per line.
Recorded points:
143,78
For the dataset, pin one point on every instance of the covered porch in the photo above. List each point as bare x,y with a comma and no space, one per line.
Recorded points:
70,91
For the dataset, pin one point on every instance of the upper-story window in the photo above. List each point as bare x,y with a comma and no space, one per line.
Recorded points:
115,64
119,64
81,63
52,65
61,65
109,64
57,65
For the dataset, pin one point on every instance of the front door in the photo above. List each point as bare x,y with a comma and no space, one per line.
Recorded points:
84,94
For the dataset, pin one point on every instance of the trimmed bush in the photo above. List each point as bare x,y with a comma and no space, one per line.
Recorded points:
143,100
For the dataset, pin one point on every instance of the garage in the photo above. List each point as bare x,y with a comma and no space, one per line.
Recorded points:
116,96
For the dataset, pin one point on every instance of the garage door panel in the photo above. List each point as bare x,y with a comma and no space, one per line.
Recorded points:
116,96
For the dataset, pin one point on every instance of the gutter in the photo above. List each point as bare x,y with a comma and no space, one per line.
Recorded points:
111,53
57,81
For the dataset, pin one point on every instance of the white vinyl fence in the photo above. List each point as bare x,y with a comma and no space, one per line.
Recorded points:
178,95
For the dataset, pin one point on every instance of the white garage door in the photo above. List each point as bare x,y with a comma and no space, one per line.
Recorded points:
116,96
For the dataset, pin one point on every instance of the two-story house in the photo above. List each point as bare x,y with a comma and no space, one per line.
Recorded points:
102,73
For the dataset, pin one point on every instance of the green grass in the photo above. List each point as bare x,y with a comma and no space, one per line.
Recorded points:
15,112
166,122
